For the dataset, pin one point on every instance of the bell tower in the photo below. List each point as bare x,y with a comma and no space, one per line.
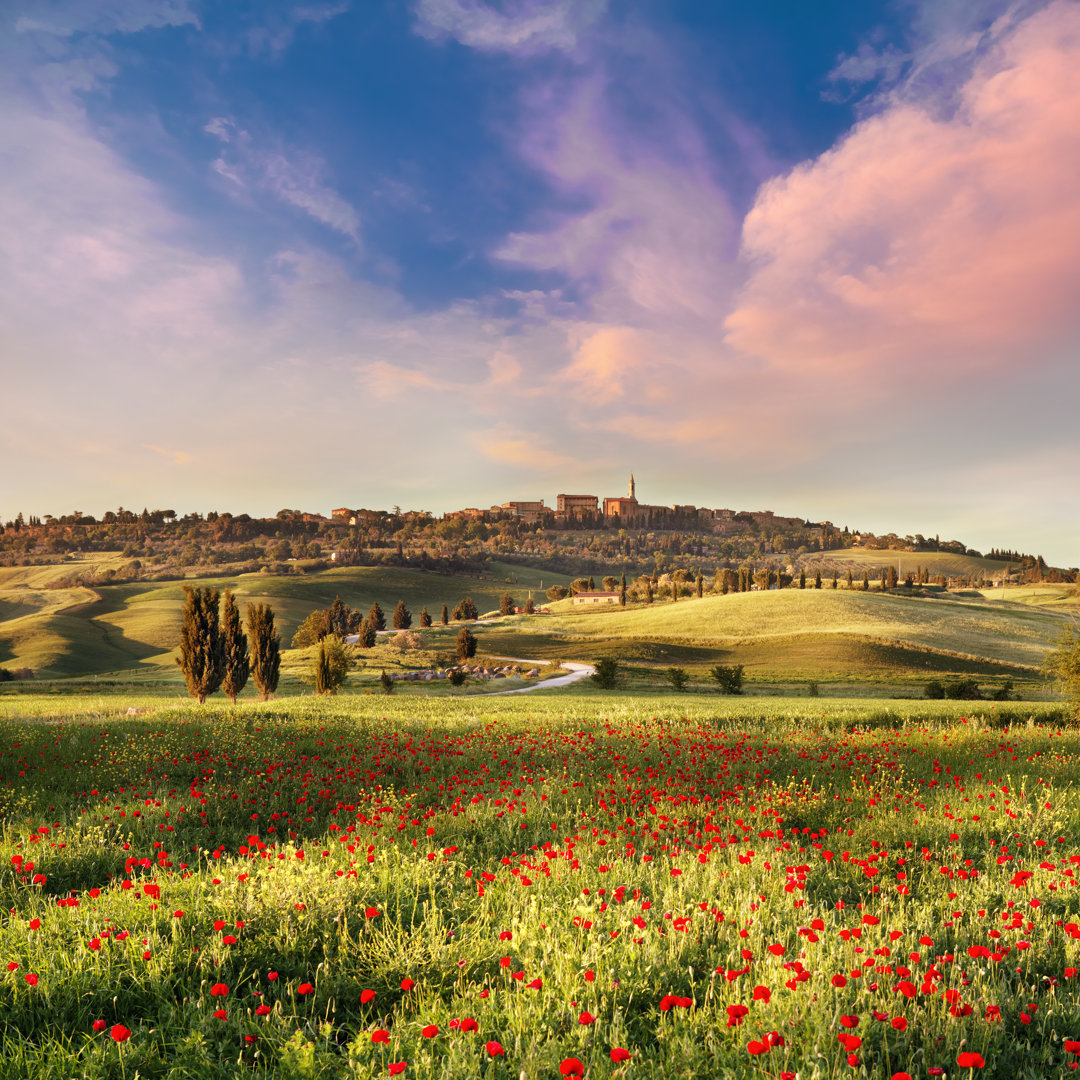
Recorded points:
630,491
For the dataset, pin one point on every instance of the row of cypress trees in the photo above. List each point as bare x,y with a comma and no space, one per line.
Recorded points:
216,654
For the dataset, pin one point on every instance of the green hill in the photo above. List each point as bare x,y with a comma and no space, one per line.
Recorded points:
800,634
77,631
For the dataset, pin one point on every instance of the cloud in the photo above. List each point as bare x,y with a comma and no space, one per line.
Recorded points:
522,452
924,235
64,18
522,26
277,29
179,457
292,176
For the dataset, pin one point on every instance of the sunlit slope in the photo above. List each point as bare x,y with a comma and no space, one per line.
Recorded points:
935,562
59,632
811,630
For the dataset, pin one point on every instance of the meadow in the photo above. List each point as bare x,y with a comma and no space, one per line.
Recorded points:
538,887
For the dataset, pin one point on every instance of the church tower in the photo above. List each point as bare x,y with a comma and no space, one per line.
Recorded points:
630,492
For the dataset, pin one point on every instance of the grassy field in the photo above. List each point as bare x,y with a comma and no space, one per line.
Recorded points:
801,635
587,885
935,562
135,627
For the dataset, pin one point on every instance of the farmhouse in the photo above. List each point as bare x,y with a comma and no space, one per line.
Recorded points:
595,597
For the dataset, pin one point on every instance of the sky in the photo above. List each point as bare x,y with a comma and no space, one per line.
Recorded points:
822,259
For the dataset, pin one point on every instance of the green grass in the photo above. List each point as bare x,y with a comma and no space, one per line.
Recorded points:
935,562
289,864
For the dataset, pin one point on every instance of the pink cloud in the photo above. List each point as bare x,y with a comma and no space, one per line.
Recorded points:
924,234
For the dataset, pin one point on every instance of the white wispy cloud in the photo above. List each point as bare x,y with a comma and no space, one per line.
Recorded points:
293,176
521,26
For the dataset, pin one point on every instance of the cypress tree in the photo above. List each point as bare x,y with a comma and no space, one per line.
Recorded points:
202,648
622,591
265,648
802,579
365,637
425,618
237,664
700,585
445,615
817,580
849,579
402,616
466,643
376,616
834,579
506,604
866,580
592,585
884,577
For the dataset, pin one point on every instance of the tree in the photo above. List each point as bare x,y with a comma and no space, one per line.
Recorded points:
579,585
802,579
884,578
592,584
729,678
557,592
866,581
849,579
202,647
425,618
465,610
331,665
376,616
237,665
386,682
1062,665
466,644
445,616
312,630
610,583
622,591
265,648
337,617
834,579
402,617
891,577
700,585
606,675
507,604
817,579
678,678
530,607
365,636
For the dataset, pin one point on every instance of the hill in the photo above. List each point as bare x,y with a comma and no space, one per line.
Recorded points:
79,631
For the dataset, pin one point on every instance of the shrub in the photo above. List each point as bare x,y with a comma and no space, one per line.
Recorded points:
331,666
606,675
466,643
812,688
934,690
386,682
457,677
678,679
506,604
963,690
729,678
1004,691
1062,665
465,609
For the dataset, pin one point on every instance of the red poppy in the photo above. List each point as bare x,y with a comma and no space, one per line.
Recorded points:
899,1023
371,913
590,976
305,988
494,1049
901,1076
407,984
366,996
100,1025
849,1021
755,1046
221,1014
586,1018
397,1067
380,1035
1072,1046
263,1010
219,990
619,1054
31,978
968,1059
120,1033
762,993
430,1031
469,1024
571,1067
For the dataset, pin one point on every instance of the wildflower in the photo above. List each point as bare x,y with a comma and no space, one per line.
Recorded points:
219,990
618,1054
571,1066
430,1031
494,1049
407,984
397,1067
120,1033
586,1018
968,1059
100,1025
366,996
380,1035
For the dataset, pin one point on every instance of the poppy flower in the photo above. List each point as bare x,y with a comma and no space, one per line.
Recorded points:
756,1046
380,1035
586,1018
494,1049
430,1031
100,1025
120,1033
899,1023
762,993
263,1010
219,990
468,1024
901,1076
31,978
366,996
407,984
305,988
221,1014
397,1067
590,976
1072,1046
619,1054
571,1067
371,913
968,1059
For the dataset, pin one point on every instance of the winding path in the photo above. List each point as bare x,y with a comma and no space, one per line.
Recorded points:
576,674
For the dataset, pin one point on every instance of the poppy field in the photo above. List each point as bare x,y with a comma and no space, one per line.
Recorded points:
539,888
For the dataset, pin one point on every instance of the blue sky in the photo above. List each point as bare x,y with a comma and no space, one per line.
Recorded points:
821,259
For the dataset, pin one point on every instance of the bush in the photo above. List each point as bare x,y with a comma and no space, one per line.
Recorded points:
678,679
466,609
1062,665
507,604
963,690
1004,691
457,677
557,592
386,683
607,673
934,691
813,689
331,666
729,678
